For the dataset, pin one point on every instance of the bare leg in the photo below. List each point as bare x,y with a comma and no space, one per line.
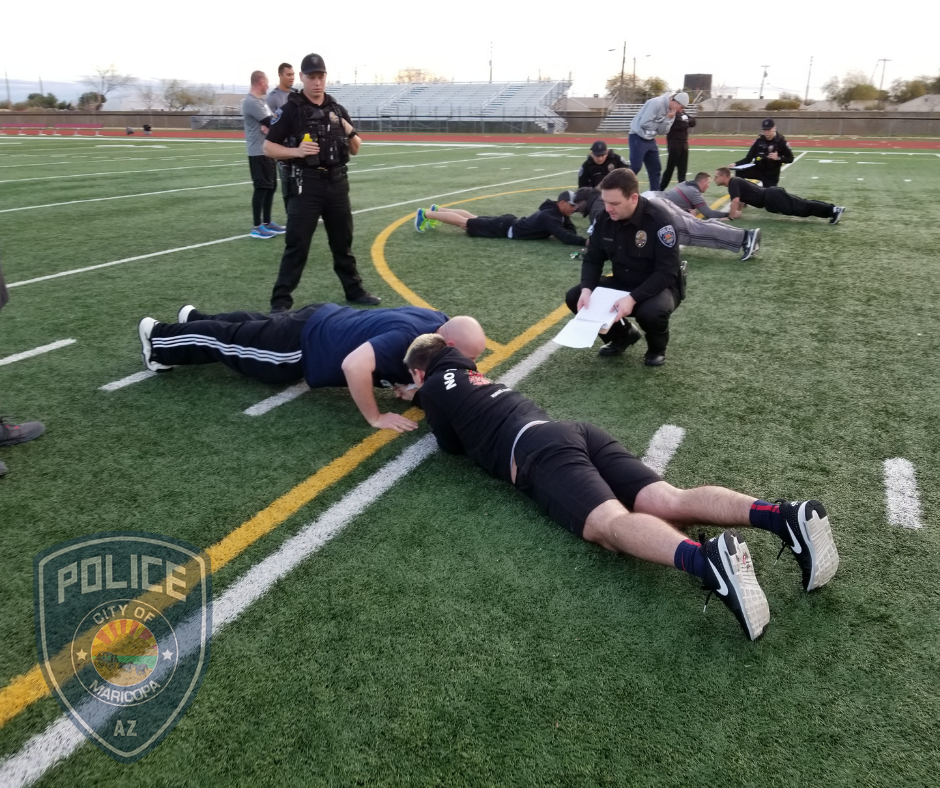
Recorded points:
456,218
705,505
437,214
644,536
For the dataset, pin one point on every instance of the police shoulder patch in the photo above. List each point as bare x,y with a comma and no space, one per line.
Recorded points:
667,235
277,115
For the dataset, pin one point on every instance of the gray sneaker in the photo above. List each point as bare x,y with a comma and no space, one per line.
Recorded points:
11,434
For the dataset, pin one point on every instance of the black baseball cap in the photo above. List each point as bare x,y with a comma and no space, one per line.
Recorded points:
567,196
767,123
599,148
312,63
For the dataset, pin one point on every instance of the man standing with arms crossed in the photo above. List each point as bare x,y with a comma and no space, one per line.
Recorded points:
655,117
276,99
257,118
315,134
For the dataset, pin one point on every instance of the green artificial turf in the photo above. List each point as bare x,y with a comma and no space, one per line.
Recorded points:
452,635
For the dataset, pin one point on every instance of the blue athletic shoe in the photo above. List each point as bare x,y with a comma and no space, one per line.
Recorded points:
422,224
434,222
261,232
271,227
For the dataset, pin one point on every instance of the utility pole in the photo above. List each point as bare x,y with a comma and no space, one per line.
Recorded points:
42,91
9,100
884,64
623,65
761,94
806,99
491,62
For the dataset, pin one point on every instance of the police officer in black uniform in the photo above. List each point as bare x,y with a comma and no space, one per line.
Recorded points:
677,143
638,237
319,182
601,161
769,153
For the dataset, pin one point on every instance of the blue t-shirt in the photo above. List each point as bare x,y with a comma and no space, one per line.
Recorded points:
333,332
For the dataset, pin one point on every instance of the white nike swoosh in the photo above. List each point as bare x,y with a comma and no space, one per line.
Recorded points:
722,588
796,547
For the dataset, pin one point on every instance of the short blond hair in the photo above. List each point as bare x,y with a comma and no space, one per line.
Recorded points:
422,350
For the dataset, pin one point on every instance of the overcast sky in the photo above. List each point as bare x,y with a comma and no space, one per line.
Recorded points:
221,45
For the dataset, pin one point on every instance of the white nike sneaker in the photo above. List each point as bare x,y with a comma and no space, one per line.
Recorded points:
809,537
144,331
730,574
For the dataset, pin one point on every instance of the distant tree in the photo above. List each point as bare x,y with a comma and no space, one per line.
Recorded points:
181,96
788,96
106,81
4,104
625,91
412,74
739,106
149,96
904,90
778,104
91,101
854,86
42,102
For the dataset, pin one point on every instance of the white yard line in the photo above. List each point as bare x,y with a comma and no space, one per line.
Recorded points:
901,494
785,166
125,260
288,394
119,172
129,380
662,447
123,196
37,351
432,198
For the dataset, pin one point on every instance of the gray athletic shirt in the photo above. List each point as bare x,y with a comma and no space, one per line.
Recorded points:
254,110
277,98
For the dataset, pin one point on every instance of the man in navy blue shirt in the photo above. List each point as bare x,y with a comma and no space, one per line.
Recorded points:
325,344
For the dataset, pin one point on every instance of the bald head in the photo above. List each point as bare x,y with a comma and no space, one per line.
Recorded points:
464,333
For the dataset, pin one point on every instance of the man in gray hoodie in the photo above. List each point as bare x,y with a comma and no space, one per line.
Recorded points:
655,117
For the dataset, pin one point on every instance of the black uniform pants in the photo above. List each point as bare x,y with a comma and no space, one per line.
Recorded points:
329,199
283,170
652,315
260,346
678,159
777,200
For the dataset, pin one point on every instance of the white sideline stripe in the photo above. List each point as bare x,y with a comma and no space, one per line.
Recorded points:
123,196
523,368
237,237
794,161
901,493
38,351
130,379
662,447
61,738
125,260
119,172
288,394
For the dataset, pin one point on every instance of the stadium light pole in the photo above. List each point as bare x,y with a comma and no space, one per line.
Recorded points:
761,92
808,74
884,64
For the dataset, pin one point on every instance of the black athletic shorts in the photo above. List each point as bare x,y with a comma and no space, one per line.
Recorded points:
569,468
490,226
263,172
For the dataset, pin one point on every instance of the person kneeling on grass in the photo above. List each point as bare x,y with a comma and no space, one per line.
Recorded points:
582,478
325,344
552,220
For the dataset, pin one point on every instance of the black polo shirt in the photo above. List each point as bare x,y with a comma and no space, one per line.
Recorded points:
643,250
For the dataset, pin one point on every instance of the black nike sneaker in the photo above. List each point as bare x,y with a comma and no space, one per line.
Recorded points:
809,537
730,574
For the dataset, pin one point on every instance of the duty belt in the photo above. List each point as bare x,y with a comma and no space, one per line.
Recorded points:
323,172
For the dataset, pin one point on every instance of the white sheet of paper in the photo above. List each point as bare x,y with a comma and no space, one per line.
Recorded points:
583,328
742,166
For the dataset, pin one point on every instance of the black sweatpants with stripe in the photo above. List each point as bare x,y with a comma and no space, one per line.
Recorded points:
777,200
261,346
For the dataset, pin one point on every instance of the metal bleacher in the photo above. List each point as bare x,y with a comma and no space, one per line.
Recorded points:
621,115
454,106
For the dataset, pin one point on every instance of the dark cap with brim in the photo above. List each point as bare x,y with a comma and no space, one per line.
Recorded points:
312,64
767,123
599,148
